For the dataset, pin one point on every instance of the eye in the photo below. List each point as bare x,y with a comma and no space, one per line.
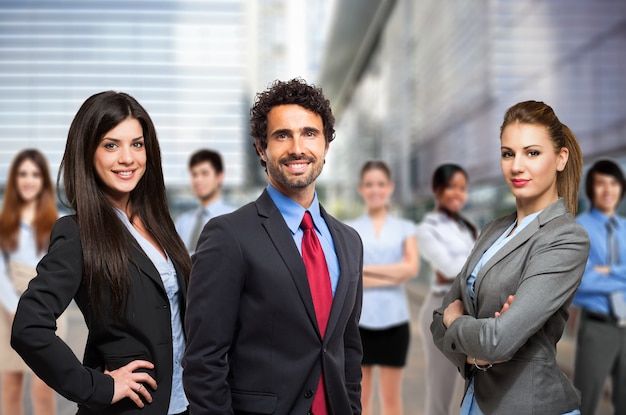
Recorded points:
533,153
507,154
138,144
110,146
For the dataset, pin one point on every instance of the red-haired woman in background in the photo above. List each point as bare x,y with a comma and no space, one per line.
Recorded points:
28,214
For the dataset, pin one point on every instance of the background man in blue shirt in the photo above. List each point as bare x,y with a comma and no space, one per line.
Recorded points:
601,342
207,174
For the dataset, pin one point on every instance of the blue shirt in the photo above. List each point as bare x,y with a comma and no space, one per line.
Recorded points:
293,213
178,400
186,222
384,307
595,287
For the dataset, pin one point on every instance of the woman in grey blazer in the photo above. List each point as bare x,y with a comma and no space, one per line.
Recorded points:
507,308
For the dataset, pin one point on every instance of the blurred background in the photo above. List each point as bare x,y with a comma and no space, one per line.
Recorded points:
414,83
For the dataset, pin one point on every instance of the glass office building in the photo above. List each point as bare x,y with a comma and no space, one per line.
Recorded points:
184,61
432,80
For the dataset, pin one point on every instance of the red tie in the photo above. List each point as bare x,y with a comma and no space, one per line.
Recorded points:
319,284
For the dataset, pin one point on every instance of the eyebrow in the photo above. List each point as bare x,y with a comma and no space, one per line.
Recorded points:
524,148
117,140
289,131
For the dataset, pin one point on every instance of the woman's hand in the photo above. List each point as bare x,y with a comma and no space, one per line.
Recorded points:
130,384
453,310
505,306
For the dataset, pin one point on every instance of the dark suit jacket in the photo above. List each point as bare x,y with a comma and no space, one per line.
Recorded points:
143,333
253,343
542,266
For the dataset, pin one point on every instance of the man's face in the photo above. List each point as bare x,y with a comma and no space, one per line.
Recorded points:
205,181
606,193
296,148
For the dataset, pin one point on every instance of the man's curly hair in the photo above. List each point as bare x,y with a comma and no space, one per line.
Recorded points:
295,91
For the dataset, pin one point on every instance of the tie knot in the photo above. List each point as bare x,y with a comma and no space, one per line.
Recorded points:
611,224
307,221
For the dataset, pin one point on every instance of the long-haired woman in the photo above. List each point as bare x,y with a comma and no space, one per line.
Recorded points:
28,215
120,258
501,320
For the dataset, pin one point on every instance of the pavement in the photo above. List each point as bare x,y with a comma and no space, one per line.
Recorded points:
414,379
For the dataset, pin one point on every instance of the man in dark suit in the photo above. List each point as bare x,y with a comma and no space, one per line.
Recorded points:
258,338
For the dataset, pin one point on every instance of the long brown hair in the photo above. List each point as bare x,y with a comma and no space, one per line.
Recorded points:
105,240
539,113
46,213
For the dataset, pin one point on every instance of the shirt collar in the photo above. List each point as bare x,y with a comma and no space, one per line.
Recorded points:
293,212
597,214
211,206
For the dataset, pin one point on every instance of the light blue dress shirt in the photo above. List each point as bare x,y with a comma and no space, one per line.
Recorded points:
165,267
186,222
383,307
26,253
595,287
293,213
469,405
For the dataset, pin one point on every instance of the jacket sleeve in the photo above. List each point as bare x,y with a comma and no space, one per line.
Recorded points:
353,345
59,276
214,289
438,330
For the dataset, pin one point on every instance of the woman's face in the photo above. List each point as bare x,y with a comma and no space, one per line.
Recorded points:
453,196
375,189
29,181
120,161
530,164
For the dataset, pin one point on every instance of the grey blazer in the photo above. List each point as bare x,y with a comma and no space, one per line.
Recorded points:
542,266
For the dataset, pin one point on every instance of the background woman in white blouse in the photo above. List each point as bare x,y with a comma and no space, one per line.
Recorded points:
28,215
390,257
445,239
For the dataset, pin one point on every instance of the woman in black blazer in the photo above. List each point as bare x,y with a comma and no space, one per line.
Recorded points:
120,258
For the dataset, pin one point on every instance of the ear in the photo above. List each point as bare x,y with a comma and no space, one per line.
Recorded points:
257,145
562,158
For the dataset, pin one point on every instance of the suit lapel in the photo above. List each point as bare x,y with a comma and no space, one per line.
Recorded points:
277,230
555,209
141,260
344,279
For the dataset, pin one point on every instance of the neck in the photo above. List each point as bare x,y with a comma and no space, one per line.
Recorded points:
28,212
377,213
204,202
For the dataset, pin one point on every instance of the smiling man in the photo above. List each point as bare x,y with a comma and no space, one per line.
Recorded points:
275,290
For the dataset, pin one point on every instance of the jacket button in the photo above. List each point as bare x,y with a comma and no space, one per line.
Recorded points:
453,346
308,394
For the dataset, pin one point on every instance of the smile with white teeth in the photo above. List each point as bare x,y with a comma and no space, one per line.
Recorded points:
124,173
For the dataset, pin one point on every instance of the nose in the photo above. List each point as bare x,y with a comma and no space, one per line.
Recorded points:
517,165
125,155
297,145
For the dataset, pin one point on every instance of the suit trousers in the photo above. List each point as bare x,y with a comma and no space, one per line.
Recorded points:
600,352
443,381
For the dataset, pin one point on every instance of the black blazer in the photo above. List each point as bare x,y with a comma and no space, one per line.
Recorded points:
145,331
253,345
